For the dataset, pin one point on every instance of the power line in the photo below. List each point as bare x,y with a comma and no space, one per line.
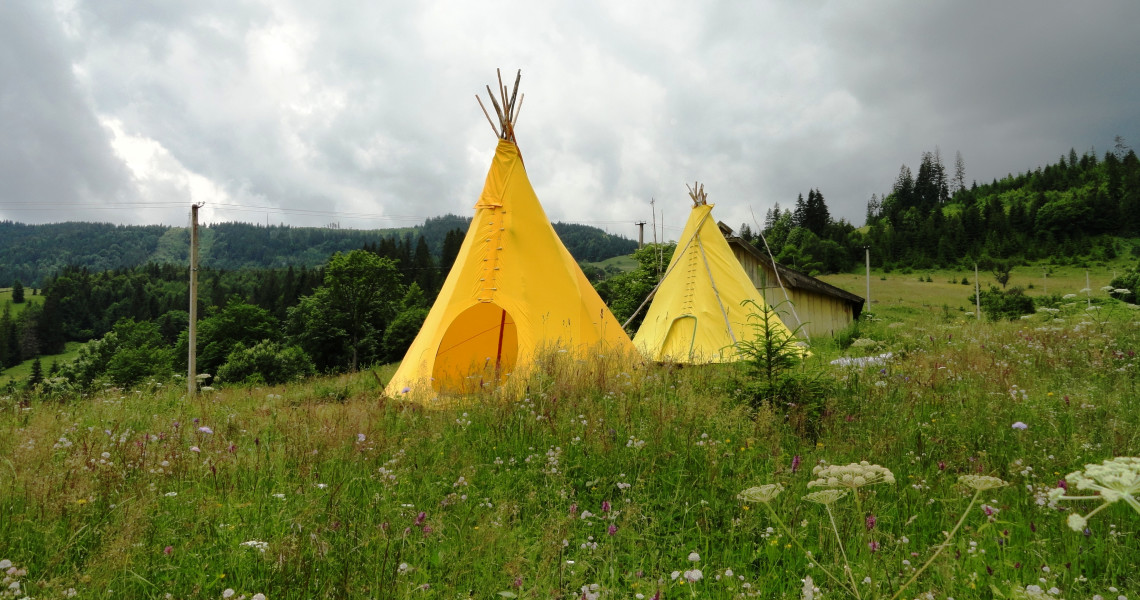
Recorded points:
231,207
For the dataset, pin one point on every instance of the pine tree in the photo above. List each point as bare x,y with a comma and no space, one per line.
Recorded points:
5,334
799,215
771,217
940,177
874,209
423,266
37,375
452,243
17,292
816,215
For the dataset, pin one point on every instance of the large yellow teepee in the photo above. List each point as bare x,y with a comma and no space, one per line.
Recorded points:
514,289
696,315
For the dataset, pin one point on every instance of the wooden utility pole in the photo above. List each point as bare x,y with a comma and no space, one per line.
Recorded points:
192,367
1088,289
977,293
640,234
867,253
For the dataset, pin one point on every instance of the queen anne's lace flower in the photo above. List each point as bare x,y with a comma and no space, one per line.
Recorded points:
981,482
761,493
825,497
852,476
1114,479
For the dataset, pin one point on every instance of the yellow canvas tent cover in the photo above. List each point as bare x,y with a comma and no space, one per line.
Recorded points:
696,315
513,290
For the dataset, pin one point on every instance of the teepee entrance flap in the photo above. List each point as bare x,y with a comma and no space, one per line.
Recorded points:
480,345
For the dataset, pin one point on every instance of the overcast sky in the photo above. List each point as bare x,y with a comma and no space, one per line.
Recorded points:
363,113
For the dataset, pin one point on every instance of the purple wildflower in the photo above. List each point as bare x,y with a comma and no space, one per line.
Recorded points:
795,463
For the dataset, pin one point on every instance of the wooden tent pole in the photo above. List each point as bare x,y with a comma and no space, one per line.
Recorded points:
488,115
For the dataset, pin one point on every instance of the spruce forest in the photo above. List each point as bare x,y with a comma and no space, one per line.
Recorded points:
1071,210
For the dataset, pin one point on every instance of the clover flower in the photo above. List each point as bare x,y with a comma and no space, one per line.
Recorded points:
762,493
1114,479
981,482
825,497
851,476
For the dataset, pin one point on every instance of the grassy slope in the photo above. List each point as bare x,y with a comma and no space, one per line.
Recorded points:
625,263
136,501
6,298
897,289
20,372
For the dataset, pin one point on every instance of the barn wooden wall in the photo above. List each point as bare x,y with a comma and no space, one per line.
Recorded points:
820,314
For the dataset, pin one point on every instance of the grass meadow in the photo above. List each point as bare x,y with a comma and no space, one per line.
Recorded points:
605,478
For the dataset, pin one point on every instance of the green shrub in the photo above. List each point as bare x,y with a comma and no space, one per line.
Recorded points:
266,362
1009,304
131,352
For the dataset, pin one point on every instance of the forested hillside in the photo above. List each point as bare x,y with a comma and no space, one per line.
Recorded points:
31,253
360,307
1074,210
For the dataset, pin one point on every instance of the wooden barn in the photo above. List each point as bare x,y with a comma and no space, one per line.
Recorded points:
823,309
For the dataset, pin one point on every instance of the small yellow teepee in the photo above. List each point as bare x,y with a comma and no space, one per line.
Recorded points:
696,315
514,289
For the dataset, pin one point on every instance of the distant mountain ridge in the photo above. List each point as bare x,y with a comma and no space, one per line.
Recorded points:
31,253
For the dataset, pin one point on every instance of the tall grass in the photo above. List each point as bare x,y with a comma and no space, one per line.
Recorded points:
607,477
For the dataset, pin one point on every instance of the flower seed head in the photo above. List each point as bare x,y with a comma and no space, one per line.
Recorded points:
852,476
826,497
762,493
981,482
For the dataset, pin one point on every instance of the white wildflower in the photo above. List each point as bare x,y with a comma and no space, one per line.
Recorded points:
259,546
851,476
762,493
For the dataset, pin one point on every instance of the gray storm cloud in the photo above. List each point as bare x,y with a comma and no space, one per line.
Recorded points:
363,112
